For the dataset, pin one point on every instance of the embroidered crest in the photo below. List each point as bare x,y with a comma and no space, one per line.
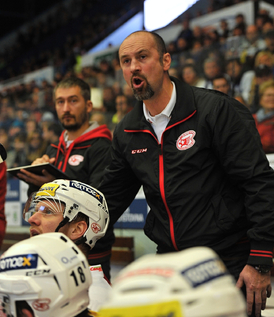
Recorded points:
75,160
186,140
95,227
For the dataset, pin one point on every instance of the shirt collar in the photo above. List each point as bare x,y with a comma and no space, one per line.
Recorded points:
168,109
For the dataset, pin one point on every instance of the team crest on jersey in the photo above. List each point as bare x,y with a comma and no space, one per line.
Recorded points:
95,227
75,160
186,140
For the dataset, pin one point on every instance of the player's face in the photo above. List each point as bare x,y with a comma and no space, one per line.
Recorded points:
72,109
46,217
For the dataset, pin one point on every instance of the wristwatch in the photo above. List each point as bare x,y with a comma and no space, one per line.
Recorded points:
262,268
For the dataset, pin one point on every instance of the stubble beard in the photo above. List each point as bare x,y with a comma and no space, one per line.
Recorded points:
77,124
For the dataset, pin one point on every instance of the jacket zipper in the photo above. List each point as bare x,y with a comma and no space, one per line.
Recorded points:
161,176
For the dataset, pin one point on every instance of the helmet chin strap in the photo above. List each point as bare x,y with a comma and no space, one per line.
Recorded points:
62,224
80,240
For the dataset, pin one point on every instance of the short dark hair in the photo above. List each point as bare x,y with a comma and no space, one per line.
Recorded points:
72,82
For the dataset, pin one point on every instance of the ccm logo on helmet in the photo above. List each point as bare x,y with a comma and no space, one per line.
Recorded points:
21,262
205,272
87,189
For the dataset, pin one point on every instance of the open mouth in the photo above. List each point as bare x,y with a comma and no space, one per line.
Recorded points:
137,82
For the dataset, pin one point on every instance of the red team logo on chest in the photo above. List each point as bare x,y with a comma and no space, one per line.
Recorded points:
186,140
75,160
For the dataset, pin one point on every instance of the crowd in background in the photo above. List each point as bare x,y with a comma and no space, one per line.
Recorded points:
238,62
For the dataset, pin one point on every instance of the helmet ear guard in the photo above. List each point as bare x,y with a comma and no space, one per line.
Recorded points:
189,283
49,273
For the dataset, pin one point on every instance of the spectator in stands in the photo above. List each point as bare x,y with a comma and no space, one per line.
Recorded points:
205,138
3,191
198,34
240,23
98,117
222,83
30,126
224,31
36,146
16,127
52,132
269,41
18,155
235,71
251,46
191,77
83,151
109,107
268,26
264,117
44,284
263,73
127,91
212,68
122,108
82,215
186,32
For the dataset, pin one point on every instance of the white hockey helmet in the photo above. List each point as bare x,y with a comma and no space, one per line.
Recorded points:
189,283
77,198
49,273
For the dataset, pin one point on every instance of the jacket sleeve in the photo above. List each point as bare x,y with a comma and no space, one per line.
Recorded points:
119,184
237,145
3,190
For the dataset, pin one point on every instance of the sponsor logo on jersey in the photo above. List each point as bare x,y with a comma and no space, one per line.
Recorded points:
186,140
48,189
87,189
75,160
19,262
204,272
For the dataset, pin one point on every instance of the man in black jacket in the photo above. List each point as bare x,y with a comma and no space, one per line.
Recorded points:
198,156
82,153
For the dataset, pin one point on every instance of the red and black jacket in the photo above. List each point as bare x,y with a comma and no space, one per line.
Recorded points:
207,183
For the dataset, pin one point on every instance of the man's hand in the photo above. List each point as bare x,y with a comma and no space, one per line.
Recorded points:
44,159
34,179
258,288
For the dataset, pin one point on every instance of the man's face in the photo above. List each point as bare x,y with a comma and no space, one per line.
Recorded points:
269,41
72,109
233,69
221,84
121,104
46,218
211,69
141,65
